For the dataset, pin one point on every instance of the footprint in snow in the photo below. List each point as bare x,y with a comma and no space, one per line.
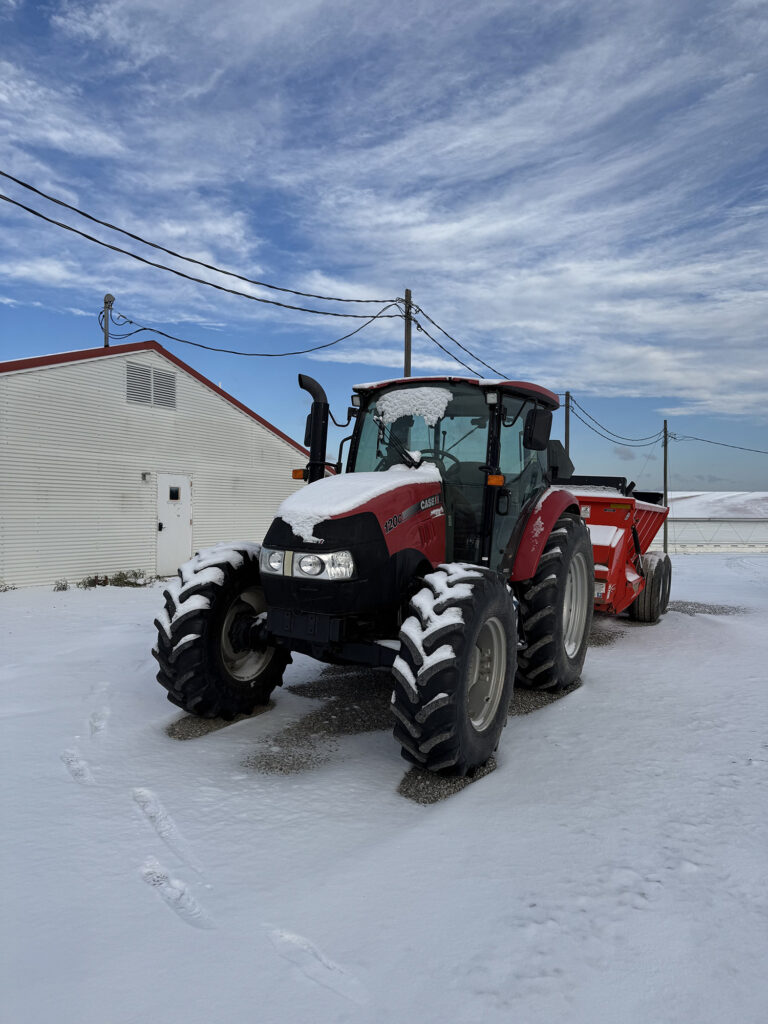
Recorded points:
164,825
97,722
78,768
175,893
313,963
99,690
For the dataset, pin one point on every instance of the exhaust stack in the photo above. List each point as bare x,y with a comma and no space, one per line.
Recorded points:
316,435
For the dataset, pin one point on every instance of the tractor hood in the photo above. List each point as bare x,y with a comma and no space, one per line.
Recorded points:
389,495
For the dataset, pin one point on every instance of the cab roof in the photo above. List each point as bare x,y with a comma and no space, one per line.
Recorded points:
516,387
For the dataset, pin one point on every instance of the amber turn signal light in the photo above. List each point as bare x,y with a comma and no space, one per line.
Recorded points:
298,474
495,480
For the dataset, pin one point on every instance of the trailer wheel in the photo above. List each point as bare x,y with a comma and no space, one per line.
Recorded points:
667,585
201,664
653,600
556,607
455,671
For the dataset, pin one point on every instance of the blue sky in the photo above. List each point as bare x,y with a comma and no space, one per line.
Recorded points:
575,190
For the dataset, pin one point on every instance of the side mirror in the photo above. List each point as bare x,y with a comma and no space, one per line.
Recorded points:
352,412
308,430
538,424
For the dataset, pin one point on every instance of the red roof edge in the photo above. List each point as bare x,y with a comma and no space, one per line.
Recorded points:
34,362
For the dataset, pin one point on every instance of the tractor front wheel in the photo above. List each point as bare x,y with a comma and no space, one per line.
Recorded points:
556,608
203,665
455,671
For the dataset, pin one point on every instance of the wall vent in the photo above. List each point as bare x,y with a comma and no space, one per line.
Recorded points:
163,389
147,385
139,383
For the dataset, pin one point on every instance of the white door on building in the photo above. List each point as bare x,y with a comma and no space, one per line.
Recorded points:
174,522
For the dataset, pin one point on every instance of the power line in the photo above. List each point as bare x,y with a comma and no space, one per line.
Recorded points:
420,327
178,256
457,342
613,440
180,273
234,352
721,444
650,437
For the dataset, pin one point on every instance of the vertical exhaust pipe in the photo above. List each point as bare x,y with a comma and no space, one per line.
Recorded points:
317,428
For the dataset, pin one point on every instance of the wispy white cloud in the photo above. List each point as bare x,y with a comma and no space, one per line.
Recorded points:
573,189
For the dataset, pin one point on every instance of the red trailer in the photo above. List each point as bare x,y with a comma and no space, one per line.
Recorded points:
622,526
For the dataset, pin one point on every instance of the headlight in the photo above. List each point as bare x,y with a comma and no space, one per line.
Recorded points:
311,565
271,561
335,565
340,565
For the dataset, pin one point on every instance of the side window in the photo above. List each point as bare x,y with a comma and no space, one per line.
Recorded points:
522,468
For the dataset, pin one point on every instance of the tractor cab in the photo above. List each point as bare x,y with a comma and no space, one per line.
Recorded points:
488,439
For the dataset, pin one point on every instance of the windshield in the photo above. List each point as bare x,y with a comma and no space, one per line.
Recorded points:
445,423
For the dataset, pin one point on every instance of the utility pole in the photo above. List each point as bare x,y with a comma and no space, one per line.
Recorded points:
108,303
568,423
407,352
666,482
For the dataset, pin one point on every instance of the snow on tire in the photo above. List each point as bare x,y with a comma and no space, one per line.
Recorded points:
556,607
455,671
200,667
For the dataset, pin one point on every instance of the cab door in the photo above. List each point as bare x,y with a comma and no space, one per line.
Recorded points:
523,472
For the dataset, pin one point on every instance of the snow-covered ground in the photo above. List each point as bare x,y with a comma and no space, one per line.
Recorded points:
612,867
718,504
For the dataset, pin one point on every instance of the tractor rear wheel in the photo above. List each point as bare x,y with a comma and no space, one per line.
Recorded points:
455,671
556,606
653,600
202,665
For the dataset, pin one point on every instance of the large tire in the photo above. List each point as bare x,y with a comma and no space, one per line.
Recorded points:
455,671
653,600
203,672
556,607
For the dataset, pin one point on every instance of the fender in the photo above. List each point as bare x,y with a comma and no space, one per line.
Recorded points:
537,529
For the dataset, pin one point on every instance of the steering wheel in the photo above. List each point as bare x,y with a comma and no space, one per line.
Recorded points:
440,456
387,462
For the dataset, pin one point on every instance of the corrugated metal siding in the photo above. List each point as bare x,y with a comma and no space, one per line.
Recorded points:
72,454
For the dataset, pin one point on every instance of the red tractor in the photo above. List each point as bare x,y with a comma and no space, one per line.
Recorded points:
457,549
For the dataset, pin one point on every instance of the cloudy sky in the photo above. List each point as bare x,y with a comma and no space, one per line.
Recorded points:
577,191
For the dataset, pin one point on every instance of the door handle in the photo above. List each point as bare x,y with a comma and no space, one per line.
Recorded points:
159,526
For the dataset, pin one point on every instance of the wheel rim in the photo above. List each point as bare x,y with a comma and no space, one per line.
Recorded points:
487,671
575,604
244,666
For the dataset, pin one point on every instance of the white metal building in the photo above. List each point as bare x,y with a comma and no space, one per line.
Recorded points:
126,458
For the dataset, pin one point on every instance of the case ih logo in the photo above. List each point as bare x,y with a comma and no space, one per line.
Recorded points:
421,506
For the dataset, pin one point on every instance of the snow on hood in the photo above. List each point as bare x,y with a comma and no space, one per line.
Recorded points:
335,495
429,403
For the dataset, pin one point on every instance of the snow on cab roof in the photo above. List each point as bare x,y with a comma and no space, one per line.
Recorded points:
517,386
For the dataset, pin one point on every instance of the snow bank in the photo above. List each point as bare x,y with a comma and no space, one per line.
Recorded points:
335,495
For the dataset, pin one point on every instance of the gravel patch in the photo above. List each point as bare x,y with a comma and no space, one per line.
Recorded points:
191,728
427,788
696,608
355,701
606,630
